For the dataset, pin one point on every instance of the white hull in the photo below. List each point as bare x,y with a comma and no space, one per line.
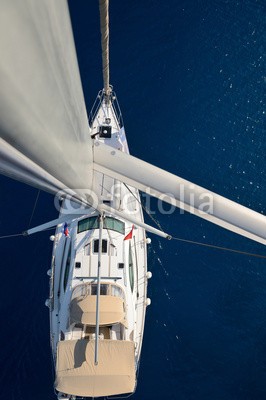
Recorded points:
124,262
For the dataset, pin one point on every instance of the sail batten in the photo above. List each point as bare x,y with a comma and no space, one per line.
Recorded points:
179,192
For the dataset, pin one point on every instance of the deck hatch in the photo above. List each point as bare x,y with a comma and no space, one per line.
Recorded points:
105,132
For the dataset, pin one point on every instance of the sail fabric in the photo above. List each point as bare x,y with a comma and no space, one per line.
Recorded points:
43,120
77,374
179,192
15,165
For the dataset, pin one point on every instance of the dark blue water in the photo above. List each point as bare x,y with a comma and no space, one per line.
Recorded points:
190,78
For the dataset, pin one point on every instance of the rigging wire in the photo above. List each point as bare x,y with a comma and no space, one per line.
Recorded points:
33,210
159,226
24,234
34,207
9,236
219,247
192,241
144,208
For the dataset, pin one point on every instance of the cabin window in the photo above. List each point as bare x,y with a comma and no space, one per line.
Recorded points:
114,225
131,270
116,291
88,224
96,246
103,289
87,249
67,268
110,223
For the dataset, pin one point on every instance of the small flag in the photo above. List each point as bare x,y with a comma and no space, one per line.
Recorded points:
66,230
130,234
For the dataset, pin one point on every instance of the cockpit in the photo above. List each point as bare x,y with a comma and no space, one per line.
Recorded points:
82,311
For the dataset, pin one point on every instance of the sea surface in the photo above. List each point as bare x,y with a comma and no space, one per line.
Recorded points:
190,79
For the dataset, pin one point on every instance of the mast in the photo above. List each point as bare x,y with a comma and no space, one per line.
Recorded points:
104,19
98,290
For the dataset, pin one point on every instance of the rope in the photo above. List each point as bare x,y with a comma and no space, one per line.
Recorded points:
192,241
34,207
104,20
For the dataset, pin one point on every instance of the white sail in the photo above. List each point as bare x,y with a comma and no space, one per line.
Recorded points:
15,165
179,192
42,110
44,129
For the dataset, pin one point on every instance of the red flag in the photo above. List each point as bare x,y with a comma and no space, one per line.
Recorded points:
130,234
66,230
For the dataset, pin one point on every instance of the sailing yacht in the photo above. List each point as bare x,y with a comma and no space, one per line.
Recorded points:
85,366
98,277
